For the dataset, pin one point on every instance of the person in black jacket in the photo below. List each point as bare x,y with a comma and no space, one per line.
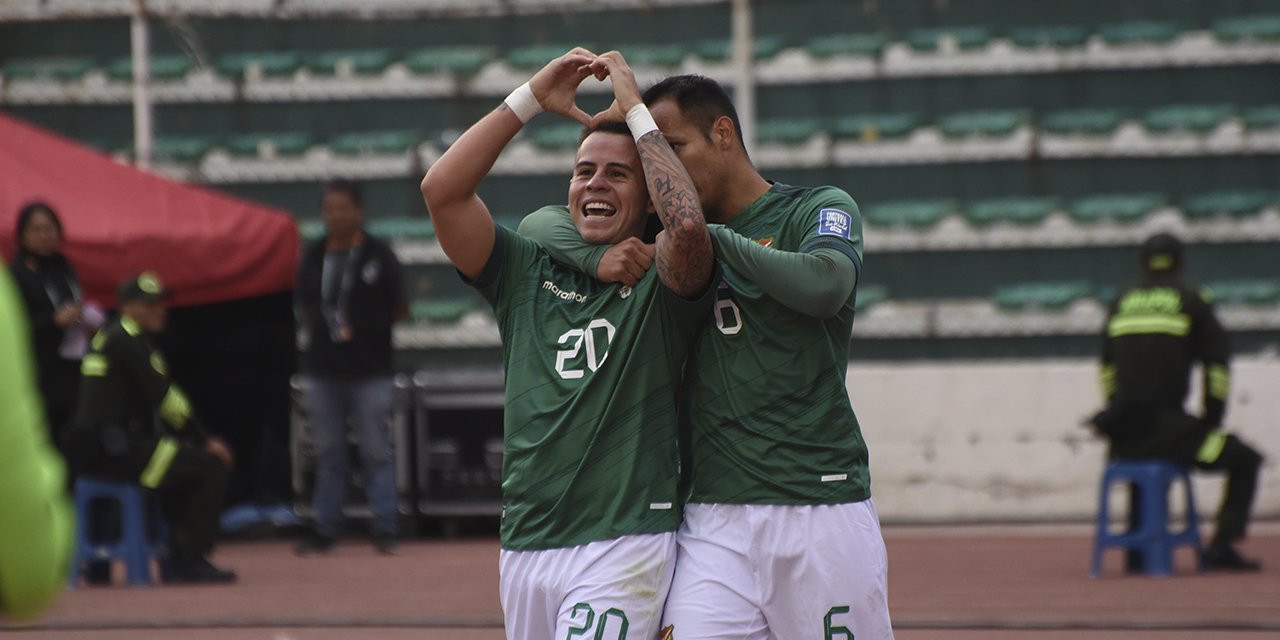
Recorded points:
135,424
350,293
1156,330
55,311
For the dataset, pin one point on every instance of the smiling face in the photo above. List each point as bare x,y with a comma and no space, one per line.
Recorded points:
608,198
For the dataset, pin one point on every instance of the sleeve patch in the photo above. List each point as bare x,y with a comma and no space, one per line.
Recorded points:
834,222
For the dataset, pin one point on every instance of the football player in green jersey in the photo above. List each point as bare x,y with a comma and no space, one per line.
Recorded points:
780,539
590,462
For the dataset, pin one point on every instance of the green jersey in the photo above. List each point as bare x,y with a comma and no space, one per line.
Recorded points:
769,412
592,373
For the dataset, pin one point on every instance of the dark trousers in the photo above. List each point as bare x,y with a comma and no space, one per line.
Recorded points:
191,493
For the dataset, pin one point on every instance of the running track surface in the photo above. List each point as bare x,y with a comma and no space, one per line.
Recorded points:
953,583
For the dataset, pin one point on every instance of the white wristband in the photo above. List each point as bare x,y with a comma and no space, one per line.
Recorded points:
640,121
523,104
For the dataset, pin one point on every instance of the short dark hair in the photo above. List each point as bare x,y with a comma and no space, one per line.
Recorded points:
29,211
349,187
701,100
1161,252
619,128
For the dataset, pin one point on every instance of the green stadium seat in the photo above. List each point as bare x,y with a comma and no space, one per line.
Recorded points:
1267,117
182,148
868,295
1200,118
1250,292
375,142
1121,207
1139,31
1049,36
464,61
1247,28
787,131
909,213
402,228
164,67
311,229
537,56
265,144
856,44
1236,203
872,127
1083,121
556,137
655,55
50,68
364,62
987,123
718,50
440,310
1047,295
966,37
274,63
1018,210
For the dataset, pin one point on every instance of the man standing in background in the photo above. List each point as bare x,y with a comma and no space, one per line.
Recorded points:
350,291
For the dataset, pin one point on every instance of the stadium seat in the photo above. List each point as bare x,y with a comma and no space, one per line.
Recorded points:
1200,118
270,144
1049,36
1047,295
1017,210
365,62
164,67
1237,203
1266,27
182,148
51,68
1267,117
1139,31
868,295
537,56
273,63
1150,534
402,228
857,44
374,142
1251,292
311,229
965,37
872,127
787,131
460,60
910,213
987,123
440,310
718,50
1121,207
1083,121
656,55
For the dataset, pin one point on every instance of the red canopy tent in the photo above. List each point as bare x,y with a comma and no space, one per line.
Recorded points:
205,246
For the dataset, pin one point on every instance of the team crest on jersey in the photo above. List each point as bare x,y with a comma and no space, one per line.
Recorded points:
834,222
765,242
624,292
669,632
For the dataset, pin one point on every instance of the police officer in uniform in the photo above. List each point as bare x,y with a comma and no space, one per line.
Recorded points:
1154,333
135,424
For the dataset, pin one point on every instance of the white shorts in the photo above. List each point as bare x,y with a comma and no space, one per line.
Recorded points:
605,590
755,572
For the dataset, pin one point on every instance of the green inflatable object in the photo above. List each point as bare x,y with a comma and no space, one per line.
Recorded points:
36,517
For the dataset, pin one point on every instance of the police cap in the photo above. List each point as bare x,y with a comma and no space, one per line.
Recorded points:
143,287
1161,252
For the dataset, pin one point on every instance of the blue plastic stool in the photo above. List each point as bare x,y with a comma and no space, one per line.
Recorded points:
141,537
1151,535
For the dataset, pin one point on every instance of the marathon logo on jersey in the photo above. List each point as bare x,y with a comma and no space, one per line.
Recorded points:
834,222
563,295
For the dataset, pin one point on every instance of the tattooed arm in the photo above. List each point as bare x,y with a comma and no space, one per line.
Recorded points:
684,255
